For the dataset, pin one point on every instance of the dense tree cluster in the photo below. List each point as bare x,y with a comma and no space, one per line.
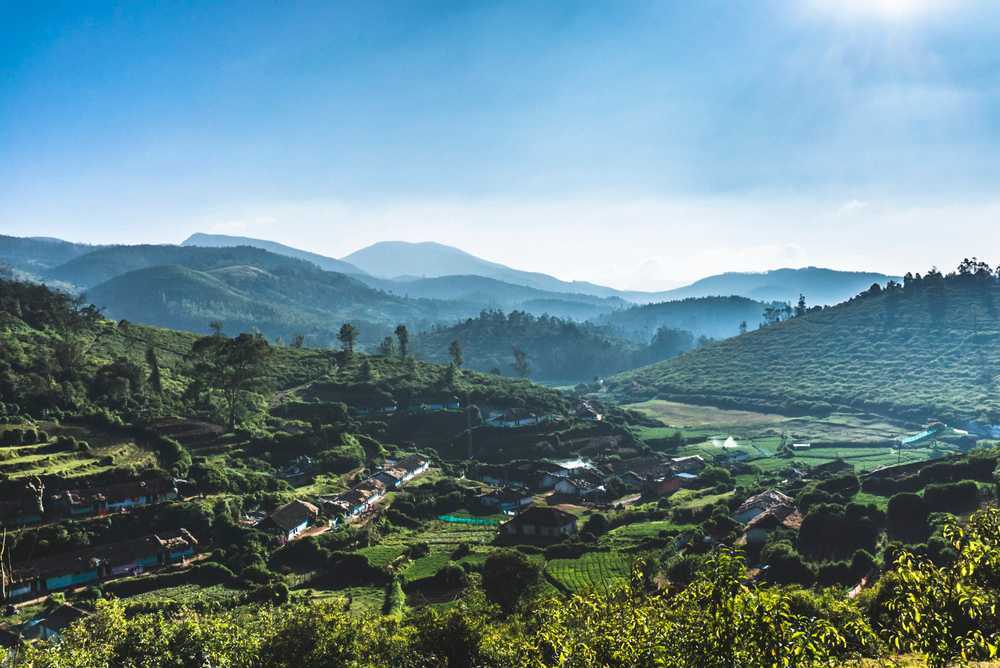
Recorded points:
522,344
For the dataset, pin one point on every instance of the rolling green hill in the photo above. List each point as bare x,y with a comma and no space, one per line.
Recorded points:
279,298
108,262
927,350
226,241
55,355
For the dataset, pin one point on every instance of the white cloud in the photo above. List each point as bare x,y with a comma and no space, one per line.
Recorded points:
851,206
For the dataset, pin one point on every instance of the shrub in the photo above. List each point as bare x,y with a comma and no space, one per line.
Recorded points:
957,497
907,518
451,576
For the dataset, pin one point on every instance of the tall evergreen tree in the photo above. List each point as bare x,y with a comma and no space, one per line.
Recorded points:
155,379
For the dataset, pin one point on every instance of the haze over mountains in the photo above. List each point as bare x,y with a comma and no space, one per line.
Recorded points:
248,283
406,262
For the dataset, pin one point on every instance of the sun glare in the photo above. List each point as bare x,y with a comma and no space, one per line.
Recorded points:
886,10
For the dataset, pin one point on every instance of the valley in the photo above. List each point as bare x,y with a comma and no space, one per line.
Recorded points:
214,474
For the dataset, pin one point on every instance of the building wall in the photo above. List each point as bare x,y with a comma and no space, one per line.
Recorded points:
70,580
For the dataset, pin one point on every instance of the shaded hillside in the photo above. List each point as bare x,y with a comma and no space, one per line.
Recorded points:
35,255
227,241
713,317
495,294
930,349
555,349
56,355
108,262
820,286
288,298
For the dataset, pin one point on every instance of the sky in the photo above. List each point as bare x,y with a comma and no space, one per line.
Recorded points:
635,144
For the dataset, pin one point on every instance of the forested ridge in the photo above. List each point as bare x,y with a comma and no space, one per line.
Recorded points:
926,347
555,348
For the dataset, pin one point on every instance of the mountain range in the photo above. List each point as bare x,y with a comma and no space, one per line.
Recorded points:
398,266
282,291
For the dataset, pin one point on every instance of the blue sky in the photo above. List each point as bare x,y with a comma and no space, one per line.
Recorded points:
632,143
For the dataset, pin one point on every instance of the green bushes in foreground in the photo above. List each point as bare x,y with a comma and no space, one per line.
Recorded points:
947,614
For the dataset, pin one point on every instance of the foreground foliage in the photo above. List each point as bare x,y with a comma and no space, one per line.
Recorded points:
947,614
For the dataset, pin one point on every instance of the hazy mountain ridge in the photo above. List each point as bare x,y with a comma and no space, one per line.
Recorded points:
820,286
713,317
247,288
407,263
391,259
34,255
227,241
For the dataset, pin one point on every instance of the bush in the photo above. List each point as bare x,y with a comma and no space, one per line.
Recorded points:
256,574
395,599
907,518
418,550
451,576
956,498
509,579
567,550
835,573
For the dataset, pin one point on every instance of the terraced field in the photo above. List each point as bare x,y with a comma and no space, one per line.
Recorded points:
49,458
598,571
357,600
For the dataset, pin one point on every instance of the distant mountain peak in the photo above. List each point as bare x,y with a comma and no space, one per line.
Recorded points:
226,241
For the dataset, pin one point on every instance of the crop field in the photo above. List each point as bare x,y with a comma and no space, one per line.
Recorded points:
863,440
361,600
694,499
426,566
49,459
187,594
597,571
634,533
445,533
382,554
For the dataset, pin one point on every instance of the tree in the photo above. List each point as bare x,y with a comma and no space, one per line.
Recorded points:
455,351
800,307
404,339
509,579
388,347
521,366
347,335
155,380
234,366
949,613
216,327
906,517
298,340
743,327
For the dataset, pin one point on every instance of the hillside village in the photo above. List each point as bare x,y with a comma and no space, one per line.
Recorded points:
378,483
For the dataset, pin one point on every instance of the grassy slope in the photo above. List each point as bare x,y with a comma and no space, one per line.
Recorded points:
855,354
